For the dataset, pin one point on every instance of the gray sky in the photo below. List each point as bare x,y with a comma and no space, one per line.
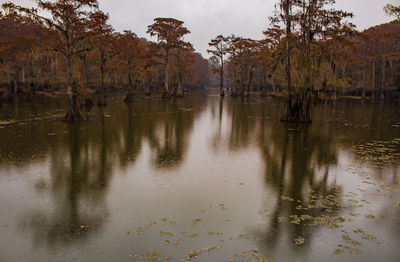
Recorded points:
209,18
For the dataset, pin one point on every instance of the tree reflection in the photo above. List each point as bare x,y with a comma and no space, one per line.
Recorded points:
243,123
78,188
298,163
169,136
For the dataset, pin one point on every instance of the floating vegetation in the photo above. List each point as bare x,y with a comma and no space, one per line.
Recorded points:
196,234
165,233
178,242
282,219
166,242
299,241
317,208
151,255
193,254
211,233
358,231
138,232
196,221
349,241
287,198
150,224
222,206
379,152
350,250
255,255
331,222
170,222
196,252
338,251
368,237
248,236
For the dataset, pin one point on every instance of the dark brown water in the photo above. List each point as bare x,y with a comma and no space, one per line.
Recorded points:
200,179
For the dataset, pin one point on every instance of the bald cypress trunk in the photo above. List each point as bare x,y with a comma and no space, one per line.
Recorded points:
221,78
73,114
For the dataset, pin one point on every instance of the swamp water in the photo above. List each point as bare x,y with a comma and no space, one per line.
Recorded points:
200,179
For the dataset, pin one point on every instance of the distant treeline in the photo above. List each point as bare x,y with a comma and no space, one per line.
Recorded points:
310,52
39,54
365,64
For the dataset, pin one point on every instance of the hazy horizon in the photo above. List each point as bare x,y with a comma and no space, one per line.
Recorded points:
207,19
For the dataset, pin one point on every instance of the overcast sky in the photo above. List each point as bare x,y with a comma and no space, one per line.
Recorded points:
209,18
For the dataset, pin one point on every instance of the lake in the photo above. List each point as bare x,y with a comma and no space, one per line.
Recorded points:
199,179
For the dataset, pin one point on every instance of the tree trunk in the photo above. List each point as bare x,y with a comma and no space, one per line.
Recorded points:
166,84
7,95
381,92
15,86
293,108
85,71
147,91
73,114
247,90
221,78
130,80
373,78
364,82
180,86
102,99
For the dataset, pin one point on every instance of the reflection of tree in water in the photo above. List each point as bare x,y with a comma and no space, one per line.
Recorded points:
243,122
299,163
170,138
297,168
133,131
78,187
243,117
82,165
167,126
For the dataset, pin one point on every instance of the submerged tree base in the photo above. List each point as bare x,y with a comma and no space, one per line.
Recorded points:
73,116
288,119
166,94
179,94
6,97
102,101
89,102
129,98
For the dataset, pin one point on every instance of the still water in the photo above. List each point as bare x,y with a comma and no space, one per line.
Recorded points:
199,179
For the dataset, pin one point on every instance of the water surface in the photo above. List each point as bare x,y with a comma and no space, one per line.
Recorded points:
199,178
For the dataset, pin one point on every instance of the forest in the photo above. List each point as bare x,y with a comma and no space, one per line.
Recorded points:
310,53
212,130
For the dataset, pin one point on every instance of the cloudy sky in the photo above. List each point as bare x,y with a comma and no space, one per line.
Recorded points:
208,18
